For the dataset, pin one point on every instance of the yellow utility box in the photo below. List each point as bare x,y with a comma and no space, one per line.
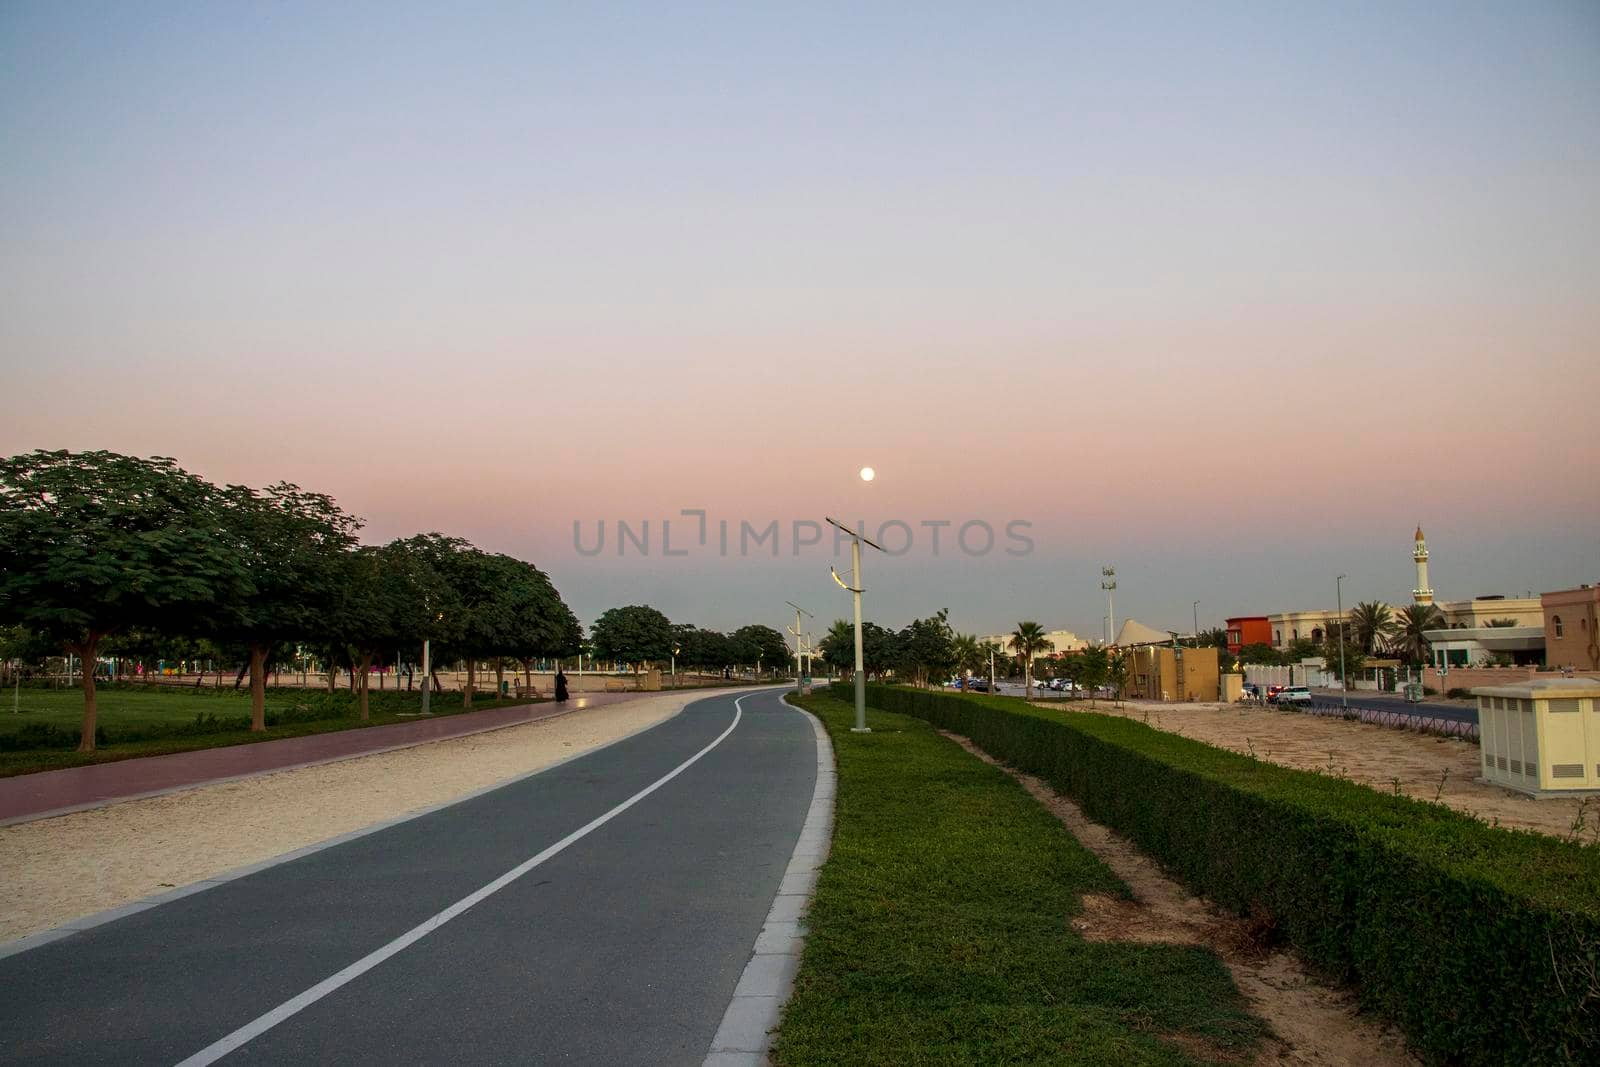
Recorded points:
1541,737
1232,688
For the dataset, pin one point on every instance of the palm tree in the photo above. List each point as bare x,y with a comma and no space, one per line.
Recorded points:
1027,641
1409,640
838,647
1371,625
969,655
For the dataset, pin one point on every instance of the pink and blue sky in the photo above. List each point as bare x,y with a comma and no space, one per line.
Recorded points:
1230,297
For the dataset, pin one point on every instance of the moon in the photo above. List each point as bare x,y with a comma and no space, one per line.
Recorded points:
867,474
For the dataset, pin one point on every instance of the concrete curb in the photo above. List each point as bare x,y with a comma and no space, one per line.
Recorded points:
67,929
745,1036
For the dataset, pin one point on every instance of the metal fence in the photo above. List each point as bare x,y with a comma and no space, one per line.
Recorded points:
1427,724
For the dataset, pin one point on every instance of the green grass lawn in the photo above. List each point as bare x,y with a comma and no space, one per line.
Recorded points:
143,720
940,930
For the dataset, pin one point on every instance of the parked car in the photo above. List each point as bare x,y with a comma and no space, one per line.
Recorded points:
977,685
1294,694
1272,693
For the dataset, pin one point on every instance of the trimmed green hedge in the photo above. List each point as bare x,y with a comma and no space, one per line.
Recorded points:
1482,943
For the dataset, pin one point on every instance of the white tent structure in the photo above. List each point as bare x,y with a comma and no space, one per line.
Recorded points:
1134,632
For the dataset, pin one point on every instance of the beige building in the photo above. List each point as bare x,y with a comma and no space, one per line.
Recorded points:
1060,641
1570,628
1160,672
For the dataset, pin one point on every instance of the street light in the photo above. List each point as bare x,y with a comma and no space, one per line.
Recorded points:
1344,684
855,588
1197,624
799,640
675,650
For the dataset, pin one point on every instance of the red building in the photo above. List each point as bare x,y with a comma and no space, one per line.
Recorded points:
1248,630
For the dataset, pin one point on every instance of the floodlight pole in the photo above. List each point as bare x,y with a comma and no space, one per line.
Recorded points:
1108,582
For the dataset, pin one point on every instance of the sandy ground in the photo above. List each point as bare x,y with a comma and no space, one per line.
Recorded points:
55,870
1313,1025
1365,753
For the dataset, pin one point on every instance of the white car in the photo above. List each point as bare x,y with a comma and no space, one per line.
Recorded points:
1294,694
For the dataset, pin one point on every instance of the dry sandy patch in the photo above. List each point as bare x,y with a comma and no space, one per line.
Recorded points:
1372,755
59,869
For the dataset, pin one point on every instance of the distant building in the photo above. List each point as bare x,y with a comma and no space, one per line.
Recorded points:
1060,640
1475,614
1248,630
1570,628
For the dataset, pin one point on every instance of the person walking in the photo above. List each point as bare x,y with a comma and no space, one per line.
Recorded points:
561,686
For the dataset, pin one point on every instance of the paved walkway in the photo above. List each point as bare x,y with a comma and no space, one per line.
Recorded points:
35,796
605,910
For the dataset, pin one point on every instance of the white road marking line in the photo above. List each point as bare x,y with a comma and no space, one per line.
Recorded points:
294,1005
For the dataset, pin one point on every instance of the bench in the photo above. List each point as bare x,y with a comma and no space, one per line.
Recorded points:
529,692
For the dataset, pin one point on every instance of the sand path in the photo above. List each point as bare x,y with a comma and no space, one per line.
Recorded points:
58,869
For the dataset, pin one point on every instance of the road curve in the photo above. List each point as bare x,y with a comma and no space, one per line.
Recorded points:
601,911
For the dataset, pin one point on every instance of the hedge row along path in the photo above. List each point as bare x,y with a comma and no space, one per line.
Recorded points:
1314,1025
1482,944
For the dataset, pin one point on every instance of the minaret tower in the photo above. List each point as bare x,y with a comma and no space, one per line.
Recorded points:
1422,594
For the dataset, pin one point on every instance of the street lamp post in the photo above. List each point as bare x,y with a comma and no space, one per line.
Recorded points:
799,640
675,651
1197,624
855,589
1344,684
426,665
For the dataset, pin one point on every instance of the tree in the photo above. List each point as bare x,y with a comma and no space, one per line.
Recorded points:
758,644
1027,641
635,634
1371,624
535,622
294,545
95,543
391,598
970,656
481,612
926,647
1119,670
838,645
1261,653
1409,640
1094,668
1354,657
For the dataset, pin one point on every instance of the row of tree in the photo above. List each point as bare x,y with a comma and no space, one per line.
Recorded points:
928,649
105,553
97,544
640,635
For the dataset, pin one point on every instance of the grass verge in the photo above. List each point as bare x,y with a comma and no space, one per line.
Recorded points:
940,929
138,720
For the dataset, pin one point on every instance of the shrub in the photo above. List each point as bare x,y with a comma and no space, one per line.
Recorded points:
1481,943
1458,693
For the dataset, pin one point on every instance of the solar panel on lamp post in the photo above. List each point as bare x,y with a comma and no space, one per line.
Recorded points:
855,589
